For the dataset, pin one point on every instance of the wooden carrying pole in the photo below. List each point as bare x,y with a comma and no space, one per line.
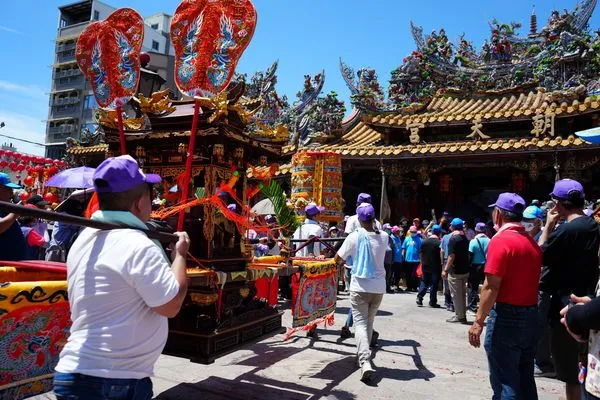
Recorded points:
121,131
73,220
188,164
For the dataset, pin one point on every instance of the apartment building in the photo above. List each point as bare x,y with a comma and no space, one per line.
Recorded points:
72,103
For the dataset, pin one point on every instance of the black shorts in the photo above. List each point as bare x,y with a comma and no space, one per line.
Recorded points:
565,354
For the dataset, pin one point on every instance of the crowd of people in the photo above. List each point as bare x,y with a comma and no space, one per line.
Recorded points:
529,276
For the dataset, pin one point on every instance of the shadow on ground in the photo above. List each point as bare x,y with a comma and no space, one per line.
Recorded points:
253,385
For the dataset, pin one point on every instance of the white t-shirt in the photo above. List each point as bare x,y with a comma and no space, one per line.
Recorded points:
379,244
114,278
353,224
307,230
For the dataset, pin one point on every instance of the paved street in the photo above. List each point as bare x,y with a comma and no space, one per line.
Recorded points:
421,357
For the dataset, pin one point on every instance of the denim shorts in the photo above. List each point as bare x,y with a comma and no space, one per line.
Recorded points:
85,387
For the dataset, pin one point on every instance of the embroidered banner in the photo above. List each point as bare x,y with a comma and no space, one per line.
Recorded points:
34,326
314,293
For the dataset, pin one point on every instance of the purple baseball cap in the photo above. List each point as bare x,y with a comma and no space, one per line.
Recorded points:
364,198
365,212
567,189
313,209
510,202
120,174
387,226
480,227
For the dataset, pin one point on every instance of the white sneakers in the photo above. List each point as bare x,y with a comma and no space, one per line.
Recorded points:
366,371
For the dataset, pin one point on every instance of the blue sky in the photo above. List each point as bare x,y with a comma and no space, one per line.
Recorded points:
306,36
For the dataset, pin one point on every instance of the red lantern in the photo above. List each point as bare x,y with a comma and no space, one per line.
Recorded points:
20,167
8,153
25,158
16,156
28,181
52,170
49,197
518,182
3,163
2,152
48,161
39,168
18,176
445,183
12,166
39,159
24,196
56,162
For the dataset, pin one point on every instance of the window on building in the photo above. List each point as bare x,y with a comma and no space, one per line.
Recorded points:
154,26
96,15
155,45
90,103
63,22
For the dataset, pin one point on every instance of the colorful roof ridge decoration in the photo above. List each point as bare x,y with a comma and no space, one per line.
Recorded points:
448,109
451,148
562,55
81,150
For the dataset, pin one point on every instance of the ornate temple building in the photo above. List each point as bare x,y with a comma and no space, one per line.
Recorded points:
456,127
459,126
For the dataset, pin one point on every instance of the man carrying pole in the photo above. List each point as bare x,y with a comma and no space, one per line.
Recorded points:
122,289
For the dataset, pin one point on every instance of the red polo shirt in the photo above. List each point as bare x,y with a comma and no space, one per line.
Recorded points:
516,258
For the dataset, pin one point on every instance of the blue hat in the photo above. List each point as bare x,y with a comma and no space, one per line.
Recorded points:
567,189
480,227
363,198
436,228
313,209
120,174
510,202
5,181
365,212
457,223
533,212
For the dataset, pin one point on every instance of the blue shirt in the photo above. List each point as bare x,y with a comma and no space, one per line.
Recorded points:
444,246
62,233
412,245
479,252
13,246
397,240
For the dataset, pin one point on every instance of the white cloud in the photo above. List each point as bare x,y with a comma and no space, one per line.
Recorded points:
23,127
10,30
31,91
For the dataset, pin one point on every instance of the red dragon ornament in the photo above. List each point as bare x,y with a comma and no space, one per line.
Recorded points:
209,37
108,53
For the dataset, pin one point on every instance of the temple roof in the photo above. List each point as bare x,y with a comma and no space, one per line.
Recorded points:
81,150
448,109
485,147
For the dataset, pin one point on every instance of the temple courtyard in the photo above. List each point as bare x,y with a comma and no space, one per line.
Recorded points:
420,356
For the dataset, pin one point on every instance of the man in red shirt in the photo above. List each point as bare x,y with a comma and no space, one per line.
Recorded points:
510,296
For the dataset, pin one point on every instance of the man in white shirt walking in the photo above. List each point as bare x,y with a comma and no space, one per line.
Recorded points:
367,246
122,288
309,229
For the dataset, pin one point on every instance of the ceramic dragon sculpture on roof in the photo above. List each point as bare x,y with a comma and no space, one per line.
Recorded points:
562,56
311,117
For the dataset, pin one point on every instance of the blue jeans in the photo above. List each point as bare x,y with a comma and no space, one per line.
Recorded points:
510,341
85,387
429,282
